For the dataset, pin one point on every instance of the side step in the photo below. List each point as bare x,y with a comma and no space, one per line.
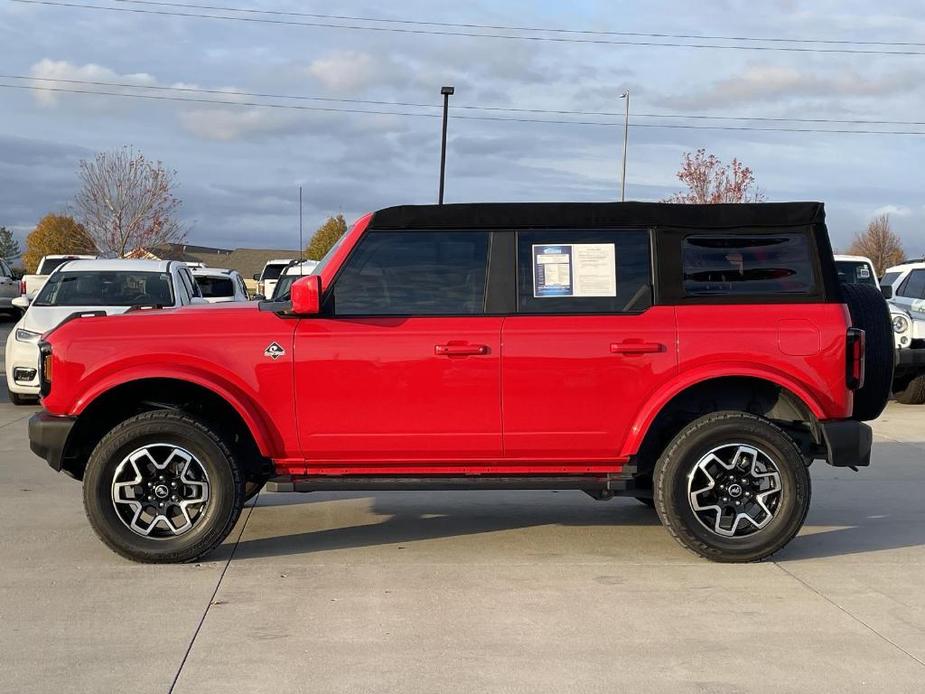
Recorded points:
605,485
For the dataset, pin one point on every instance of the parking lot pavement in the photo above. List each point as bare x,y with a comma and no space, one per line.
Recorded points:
478,591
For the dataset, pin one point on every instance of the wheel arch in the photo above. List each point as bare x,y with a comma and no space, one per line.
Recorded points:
106,407
756,395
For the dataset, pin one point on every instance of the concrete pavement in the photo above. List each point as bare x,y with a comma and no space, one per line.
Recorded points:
463,592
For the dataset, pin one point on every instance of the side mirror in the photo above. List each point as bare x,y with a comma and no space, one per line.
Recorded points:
887,291
21,302
306,296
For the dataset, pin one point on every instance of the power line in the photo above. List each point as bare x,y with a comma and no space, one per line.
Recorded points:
504,109
331,109
470,34
507,27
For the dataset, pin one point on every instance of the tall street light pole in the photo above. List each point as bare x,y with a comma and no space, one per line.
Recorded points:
447,92
626,133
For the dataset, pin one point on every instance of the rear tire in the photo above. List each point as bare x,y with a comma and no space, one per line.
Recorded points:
124,475
751,521
869,312
913,393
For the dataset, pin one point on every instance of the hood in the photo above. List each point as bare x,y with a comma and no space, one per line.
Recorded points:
41,319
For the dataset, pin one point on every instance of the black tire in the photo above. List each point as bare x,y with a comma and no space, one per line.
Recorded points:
219,514
913,393
17,399
692,444
870,313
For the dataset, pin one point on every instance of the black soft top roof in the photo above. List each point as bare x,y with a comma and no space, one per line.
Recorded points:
513,215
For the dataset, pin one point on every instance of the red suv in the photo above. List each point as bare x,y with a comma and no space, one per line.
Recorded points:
698,358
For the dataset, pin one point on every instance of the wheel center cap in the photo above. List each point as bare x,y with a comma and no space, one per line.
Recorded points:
735,490
161,491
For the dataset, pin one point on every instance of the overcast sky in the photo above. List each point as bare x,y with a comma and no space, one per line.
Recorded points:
239,166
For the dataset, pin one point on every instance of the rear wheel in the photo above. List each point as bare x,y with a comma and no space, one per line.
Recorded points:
732,487
162,487
913,393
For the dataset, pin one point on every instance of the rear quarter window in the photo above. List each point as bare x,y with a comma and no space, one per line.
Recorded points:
747,265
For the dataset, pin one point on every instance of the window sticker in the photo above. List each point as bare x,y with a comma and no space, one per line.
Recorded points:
574,270
863,272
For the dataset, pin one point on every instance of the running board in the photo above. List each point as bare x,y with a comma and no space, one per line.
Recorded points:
606,485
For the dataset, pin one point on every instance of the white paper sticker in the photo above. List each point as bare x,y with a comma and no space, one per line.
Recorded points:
574,270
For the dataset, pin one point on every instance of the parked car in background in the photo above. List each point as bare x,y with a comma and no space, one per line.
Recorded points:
856,269
267,278
98,287
31,284
696,357
294,271
904,286
219,285
9,289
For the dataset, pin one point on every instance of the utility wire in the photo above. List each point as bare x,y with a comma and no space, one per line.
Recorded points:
503,109
330,109
441,32
507,27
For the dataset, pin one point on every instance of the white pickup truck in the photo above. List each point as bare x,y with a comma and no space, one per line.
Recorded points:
31,284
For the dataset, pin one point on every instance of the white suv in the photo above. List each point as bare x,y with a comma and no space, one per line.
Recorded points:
82,286
219,285
904,287
266,280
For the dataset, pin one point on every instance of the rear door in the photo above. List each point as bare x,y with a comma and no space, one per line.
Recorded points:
402,371
585,348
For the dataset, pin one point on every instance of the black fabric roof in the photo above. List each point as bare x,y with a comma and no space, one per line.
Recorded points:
597,214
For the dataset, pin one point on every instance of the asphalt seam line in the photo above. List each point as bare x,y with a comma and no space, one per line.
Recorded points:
205,613
14,421
850,615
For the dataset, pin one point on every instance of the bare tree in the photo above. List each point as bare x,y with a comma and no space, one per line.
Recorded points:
126,202
879,243
709,181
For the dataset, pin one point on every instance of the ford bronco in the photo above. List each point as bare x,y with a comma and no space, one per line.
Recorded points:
697,358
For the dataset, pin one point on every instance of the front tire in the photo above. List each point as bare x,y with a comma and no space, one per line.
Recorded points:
162,487
732,487
913,393
17,399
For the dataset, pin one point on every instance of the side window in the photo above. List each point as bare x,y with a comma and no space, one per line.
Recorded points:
407,273
747,264
914,285
574,271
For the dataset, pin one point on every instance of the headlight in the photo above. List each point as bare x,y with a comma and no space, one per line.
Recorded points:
23,335
900,324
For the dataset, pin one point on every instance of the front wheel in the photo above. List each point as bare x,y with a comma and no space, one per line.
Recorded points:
17,399
732,487
162,487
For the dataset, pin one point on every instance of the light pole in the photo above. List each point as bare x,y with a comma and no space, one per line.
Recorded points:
447,92
626,133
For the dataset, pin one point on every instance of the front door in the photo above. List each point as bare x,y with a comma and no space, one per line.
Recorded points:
401,373
586,347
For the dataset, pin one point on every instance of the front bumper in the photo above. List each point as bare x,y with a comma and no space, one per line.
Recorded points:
48,436
847,442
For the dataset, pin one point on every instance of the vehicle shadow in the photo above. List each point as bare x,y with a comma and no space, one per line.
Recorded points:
410,519
849,515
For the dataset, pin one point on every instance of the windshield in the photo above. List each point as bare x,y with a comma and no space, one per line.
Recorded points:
273,271
889,278
215,287
855,272
99,288
52,264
